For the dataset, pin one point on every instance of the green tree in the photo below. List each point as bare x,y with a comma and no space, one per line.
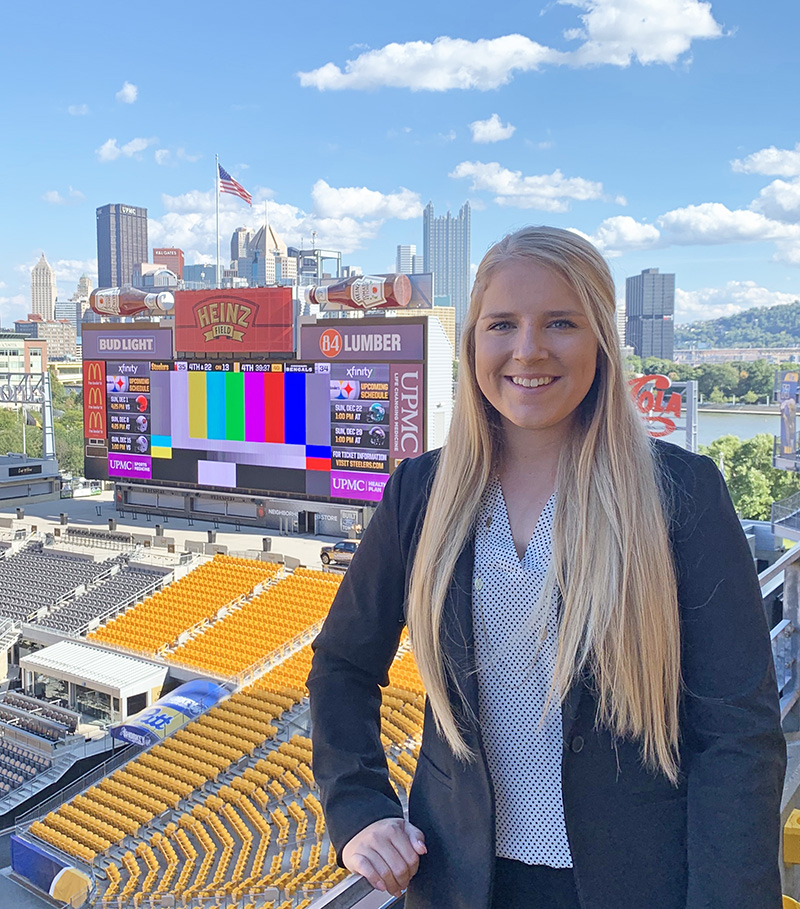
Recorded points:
754,484
723,376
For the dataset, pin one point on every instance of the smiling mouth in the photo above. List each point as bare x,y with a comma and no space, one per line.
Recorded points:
533,383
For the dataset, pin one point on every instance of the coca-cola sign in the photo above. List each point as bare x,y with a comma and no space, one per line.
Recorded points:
660,408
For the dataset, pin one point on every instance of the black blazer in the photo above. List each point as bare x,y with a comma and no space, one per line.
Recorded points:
636,840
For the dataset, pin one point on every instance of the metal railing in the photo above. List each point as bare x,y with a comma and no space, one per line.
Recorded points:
784,636
93,776
787,512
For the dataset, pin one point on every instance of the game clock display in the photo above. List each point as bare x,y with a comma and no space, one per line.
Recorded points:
322,430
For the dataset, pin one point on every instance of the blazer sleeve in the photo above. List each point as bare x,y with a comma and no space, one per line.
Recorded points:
733,749
352,655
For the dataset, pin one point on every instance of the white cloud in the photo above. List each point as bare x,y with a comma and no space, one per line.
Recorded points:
617,32
127,94
360,202
734,297
612,32
779,200
624,233
713,223
546,192
162,155
78,110
54,197
772,162
13,307
491,130
189,223
110,151
69,270
440,65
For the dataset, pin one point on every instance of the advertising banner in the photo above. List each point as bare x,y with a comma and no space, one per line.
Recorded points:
63,882
350,339
407,439
94,399
787,383
240,320
421,293
170,713
134,342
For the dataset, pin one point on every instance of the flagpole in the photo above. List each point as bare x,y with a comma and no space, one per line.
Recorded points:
216,187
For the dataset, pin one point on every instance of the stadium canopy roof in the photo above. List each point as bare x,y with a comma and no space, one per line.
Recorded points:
120,675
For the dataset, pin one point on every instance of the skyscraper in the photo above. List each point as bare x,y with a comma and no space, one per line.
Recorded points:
121,243
649,308
240,240
404,261
446,253
43,289
85,288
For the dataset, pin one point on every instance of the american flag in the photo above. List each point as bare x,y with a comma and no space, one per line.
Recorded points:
228,185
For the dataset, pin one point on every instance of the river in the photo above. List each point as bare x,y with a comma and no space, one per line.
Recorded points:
712,425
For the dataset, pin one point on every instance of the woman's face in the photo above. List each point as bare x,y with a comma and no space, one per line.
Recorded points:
535,352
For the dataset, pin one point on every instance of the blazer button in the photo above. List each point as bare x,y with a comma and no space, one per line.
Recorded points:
577,744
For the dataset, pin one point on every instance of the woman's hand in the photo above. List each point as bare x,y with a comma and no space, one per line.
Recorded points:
386,853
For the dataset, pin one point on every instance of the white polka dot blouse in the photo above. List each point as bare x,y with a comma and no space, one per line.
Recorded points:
515,653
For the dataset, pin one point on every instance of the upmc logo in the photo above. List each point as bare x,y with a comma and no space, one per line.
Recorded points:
94,397
330,343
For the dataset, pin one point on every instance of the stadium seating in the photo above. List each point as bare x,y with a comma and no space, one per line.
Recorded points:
263,625
157,622
66,718
128,583
57,575
220,813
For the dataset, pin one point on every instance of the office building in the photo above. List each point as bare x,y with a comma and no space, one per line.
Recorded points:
68,311
85,288
121,243
60,336
446,254
649,311
270,259
199,277
240,243
404,260
148,275
171,257
20,354
43,289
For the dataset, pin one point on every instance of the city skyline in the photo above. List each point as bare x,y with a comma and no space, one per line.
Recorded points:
663,138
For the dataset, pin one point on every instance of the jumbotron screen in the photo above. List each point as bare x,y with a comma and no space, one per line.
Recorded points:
311,429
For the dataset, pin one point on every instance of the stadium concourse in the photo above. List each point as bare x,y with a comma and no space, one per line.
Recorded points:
206,803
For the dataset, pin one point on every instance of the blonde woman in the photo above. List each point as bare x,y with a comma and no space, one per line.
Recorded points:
602,729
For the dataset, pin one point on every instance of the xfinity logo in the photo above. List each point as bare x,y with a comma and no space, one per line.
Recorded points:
360,372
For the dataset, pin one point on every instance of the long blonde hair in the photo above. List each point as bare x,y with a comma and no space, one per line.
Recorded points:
611,559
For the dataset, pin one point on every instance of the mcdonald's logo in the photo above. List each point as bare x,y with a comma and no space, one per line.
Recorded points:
95,398
96,422
95,372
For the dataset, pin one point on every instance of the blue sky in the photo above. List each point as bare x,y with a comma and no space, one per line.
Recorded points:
666,130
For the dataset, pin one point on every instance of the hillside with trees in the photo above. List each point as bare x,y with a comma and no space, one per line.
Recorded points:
767,326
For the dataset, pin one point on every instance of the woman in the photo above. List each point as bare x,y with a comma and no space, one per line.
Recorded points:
602,727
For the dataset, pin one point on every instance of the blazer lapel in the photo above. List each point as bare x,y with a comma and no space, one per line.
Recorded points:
458,640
